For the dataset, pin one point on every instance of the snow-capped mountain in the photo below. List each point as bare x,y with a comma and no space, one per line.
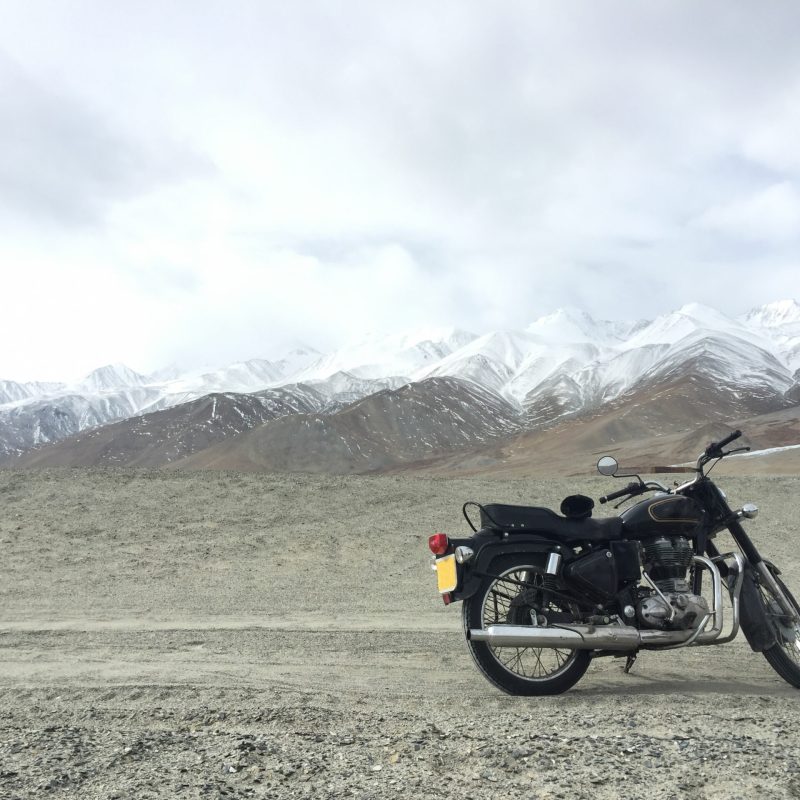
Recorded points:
13,392
775,316
343,388
491,360
43,421
160,437
780,323
383,356
33,415
243,376
567,362
564,363
694,339
111,378
573,325
383,431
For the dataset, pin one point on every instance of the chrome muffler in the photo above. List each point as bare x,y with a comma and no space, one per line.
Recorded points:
577,637
613,637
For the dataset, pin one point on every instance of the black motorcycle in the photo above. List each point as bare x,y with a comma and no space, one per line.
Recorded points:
544,593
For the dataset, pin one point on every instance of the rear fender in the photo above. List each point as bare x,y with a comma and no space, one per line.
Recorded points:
490,550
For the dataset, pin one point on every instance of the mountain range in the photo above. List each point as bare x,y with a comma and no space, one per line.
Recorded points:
393,402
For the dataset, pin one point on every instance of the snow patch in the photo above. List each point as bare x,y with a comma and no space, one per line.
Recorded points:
767,451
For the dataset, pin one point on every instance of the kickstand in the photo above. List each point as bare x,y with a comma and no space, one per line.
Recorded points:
630,662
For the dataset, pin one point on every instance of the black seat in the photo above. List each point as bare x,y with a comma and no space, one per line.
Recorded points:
532,519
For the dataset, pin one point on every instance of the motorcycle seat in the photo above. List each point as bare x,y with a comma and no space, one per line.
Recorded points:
532,519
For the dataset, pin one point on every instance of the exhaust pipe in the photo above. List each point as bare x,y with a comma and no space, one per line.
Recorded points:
610,637
577,637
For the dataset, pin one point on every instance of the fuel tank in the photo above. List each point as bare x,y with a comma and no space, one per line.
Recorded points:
662,515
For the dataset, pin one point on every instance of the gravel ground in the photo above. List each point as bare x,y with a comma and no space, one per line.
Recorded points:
222,635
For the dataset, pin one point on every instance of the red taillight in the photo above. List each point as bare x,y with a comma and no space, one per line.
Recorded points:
438,544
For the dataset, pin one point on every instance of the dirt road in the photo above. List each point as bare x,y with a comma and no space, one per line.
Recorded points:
222,635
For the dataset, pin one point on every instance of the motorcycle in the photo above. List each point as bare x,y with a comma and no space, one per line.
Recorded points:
543,594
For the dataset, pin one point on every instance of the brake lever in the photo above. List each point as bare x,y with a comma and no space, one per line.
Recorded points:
737,450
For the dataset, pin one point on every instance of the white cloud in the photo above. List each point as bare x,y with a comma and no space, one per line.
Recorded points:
239,176
769,215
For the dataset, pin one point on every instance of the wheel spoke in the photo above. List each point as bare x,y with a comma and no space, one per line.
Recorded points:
788,634
560,657
514,598
540,667
513,660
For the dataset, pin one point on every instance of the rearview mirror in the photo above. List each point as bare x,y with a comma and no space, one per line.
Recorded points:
607,465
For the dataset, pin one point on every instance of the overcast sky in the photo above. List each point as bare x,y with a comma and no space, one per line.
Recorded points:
201,182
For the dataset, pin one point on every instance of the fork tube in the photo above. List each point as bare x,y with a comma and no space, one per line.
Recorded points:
754,557
744,542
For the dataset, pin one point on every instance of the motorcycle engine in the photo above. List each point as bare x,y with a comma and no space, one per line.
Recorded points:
666,560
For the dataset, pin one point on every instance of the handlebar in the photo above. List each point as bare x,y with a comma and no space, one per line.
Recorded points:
714,449
631,488
712,452
728,439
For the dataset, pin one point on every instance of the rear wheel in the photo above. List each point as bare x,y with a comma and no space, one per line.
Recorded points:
784,656
517,596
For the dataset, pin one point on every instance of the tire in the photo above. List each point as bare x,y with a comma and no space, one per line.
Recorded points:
783,657
509,599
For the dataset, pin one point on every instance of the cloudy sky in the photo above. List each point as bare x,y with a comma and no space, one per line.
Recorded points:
201,182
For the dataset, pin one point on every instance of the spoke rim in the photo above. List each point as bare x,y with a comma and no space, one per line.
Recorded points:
790,646
529,663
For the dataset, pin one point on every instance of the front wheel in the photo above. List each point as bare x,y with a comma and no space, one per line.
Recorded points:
519,591
784,655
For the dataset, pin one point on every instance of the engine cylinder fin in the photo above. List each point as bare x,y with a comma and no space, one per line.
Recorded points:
667,560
